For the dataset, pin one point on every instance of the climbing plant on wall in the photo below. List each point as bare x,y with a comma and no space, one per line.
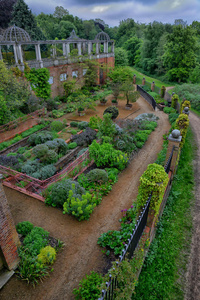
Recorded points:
39,82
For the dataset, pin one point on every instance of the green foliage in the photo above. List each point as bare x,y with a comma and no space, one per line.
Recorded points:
106,156
74,124
72,145
57,193
40,150
47,255
121,74
24,227
89,287
107,127
39,82
82,151
69,87
82,125
36,240
182,124
162,91
185,103
191,92
97,175
40,137
81,208
175,100
57,125
169,252
113,111
121,57
173,117
154,180
169,110
95,122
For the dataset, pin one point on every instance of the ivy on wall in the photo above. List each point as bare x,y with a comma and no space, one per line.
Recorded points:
39,82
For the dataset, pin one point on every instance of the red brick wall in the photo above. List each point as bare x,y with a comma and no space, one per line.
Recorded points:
9,240
56,71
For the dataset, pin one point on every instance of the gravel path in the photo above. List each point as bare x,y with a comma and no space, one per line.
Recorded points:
81,253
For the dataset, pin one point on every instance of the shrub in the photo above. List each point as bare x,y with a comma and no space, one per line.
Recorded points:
182,124
185,103
105,155
89,287
47,255
74,124
11,161
95,122
107,127
30,167
47,171
154,180
173,117
51,104
36,240
57,125
72,145
58,145
175,100
113,111
40,138
169,110
40,150
82,125
57,193
162,91
81,208
85,138
12,154
24,227
97,175
141,135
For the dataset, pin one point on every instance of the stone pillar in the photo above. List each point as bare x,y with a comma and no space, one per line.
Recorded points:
97,48
9,240
1,57
64,49
54,50
38,55
143,81
134,79
15,54
20,57
105,45
89,48
174,140
79,48
67,49
153,86
112,47
84,47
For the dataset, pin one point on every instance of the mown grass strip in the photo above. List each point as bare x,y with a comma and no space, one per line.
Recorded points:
162,276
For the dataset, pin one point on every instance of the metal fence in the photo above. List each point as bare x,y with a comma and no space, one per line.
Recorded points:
129,248
147,97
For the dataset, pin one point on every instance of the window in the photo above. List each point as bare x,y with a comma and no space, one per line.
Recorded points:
84,71
63,77
75,74
50,80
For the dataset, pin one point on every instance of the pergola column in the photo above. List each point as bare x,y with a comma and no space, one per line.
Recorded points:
84,47
54,50
64,49
97,48
19,51
15,54
67,49
38,55
105,45
79,48
112,47
1,57
89,48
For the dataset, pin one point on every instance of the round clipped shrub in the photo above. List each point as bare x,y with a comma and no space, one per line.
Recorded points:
40,138
113,110
52,145
85,138
82,125
49,157
57,125
30,167
57,193
40,150
24,227
72,145
175,100
97,175
47,255
47,171
73,124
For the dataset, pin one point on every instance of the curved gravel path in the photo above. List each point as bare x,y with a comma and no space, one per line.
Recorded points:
81,253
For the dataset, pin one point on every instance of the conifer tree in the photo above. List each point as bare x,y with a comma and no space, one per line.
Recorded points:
23,18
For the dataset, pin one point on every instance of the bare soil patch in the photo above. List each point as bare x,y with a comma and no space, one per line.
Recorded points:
81,253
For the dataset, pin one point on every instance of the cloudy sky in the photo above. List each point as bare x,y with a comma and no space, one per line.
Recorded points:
113,11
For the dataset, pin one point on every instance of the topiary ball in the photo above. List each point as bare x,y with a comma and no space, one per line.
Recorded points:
113,111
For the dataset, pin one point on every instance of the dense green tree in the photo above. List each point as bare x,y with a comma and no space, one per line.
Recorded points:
23,18
60,12
65,29
180,56
132,45
121,57
6,8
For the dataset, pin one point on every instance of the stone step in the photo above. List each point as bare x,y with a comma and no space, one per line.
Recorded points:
5,275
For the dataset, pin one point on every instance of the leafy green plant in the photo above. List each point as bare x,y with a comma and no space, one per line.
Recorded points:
74,124
113,111
57,125
95,122
47,255
72,145
169,110
89,287
24,227
97,175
